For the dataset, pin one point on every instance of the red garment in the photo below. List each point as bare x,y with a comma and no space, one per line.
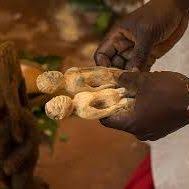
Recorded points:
142,177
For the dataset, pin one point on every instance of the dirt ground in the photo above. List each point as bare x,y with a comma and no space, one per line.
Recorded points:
94,157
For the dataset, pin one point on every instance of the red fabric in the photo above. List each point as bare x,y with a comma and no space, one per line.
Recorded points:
142,177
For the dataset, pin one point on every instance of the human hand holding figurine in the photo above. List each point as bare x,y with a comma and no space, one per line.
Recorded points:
144,35
161,105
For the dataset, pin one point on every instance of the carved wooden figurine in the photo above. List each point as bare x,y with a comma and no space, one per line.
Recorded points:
93,92
89,105
77,80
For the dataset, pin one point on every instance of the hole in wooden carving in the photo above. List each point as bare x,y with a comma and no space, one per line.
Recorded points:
99,104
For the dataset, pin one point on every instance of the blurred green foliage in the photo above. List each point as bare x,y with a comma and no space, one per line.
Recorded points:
89,4
46,125
105,14
48,62
52,62
103,21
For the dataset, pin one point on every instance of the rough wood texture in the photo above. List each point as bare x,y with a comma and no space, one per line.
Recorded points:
76,80
19,139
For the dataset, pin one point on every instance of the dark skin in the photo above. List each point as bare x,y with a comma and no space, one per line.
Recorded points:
149,32
161,97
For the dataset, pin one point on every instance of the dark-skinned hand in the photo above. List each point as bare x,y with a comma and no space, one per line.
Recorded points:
144,35
161,102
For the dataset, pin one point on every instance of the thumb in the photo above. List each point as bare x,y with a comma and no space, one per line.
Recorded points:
132,81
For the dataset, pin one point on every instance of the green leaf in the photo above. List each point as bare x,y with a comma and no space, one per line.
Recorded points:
48,126
103,21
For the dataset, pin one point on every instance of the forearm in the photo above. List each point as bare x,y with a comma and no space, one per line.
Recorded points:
183,4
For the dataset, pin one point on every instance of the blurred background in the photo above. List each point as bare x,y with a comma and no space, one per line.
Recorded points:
57,35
